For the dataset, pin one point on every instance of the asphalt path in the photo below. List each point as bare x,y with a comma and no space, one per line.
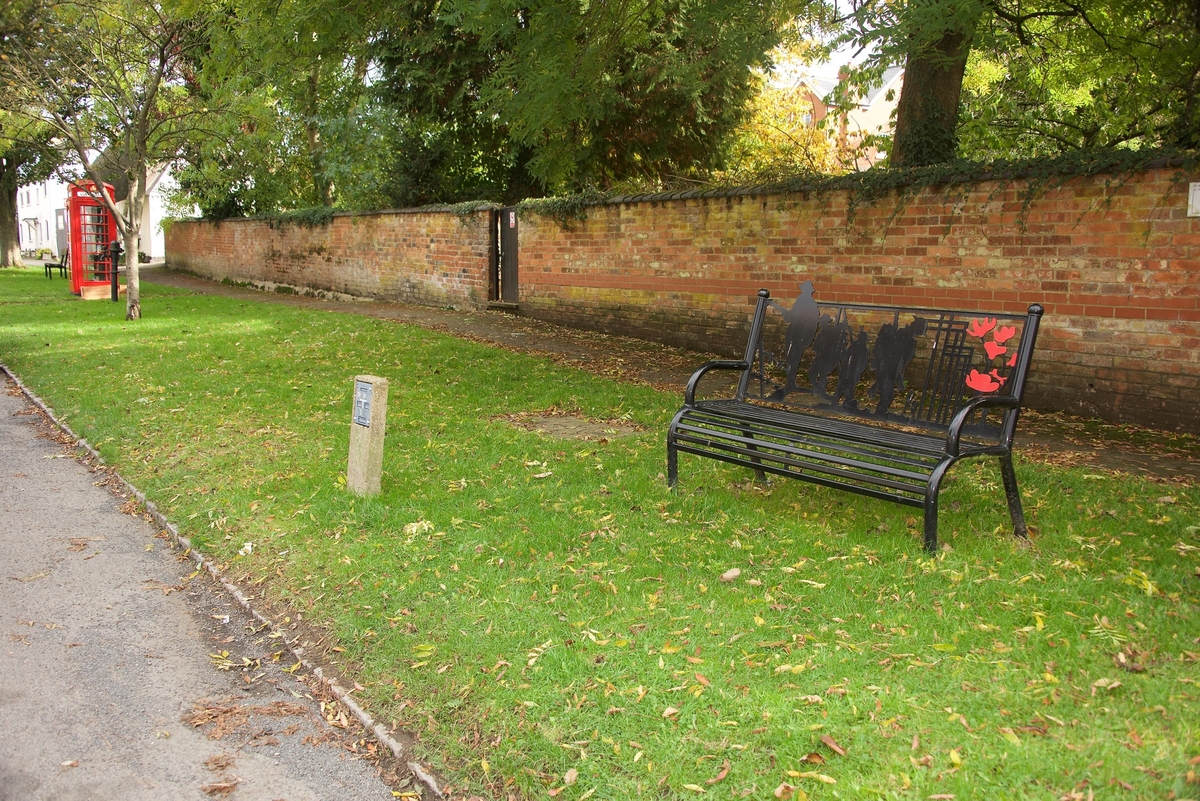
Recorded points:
124,675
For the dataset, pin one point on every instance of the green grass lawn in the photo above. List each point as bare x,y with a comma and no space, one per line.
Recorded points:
550,619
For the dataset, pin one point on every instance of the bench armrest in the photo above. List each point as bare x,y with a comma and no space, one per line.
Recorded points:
720,364
960,419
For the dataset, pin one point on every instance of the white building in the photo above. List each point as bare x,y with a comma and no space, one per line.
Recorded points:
41,218
873,115
41,212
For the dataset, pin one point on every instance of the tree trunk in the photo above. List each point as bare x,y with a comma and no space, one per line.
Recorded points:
927,112
316,146
10,240
134,204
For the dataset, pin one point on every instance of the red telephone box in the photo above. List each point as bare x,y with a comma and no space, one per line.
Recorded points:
92,228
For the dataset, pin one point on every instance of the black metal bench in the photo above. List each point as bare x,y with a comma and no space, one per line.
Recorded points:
60,265
877,400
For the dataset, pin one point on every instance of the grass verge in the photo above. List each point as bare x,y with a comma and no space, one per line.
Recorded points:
550,620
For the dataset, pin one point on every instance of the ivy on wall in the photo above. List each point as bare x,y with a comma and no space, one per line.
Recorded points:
1036,176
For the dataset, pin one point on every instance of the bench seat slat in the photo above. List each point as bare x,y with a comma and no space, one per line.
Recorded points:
933,443
832,467
888,463
816,437
909,497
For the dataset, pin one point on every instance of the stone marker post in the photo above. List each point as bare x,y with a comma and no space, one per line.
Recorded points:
368,423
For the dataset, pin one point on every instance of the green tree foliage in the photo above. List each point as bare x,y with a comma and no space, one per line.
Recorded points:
106,77
26,156
606,91
290,76
611,90
1039,76
447,146
778,139
449,100
1090,75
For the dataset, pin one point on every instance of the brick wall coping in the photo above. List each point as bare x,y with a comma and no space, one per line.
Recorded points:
797,185
802,184
482,205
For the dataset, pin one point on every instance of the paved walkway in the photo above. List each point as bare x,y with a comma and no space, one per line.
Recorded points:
113,686
1051,439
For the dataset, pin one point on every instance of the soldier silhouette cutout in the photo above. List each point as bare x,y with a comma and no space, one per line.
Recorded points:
831,342
855,360
894,349
802,319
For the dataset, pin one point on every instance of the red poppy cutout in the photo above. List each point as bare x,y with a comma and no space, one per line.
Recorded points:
1004,334
996,375
1012,360
994,350
979,328
981,382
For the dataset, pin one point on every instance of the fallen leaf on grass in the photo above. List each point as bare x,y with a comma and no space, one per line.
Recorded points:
1010,735
942,797
1127,664
721,775
670,712
811,774
731,574
570,776
814,758
833,745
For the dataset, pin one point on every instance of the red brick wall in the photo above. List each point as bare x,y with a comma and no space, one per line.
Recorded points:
1117,268
432,258
1116,264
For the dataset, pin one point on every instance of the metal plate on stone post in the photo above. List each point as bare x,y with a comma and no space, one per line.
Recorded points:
362,402
368,424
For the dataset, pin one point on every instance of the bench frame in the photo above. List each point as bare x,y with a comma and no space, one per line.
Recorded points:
900,456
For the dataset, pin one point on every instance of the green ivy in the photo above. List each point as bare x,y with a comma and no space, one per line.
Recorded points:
307,218
869,187
566,210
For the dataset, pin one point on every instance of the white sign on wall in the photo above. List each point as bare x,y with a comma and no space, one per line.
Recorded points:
1194,200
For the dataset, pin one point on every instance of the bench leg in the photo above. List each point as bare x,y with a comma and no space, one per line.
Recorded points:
931,505
672,462
759,475
1014,497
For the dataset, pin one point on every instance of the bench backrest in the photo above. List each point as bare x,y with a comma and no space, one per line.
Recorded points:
893,365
